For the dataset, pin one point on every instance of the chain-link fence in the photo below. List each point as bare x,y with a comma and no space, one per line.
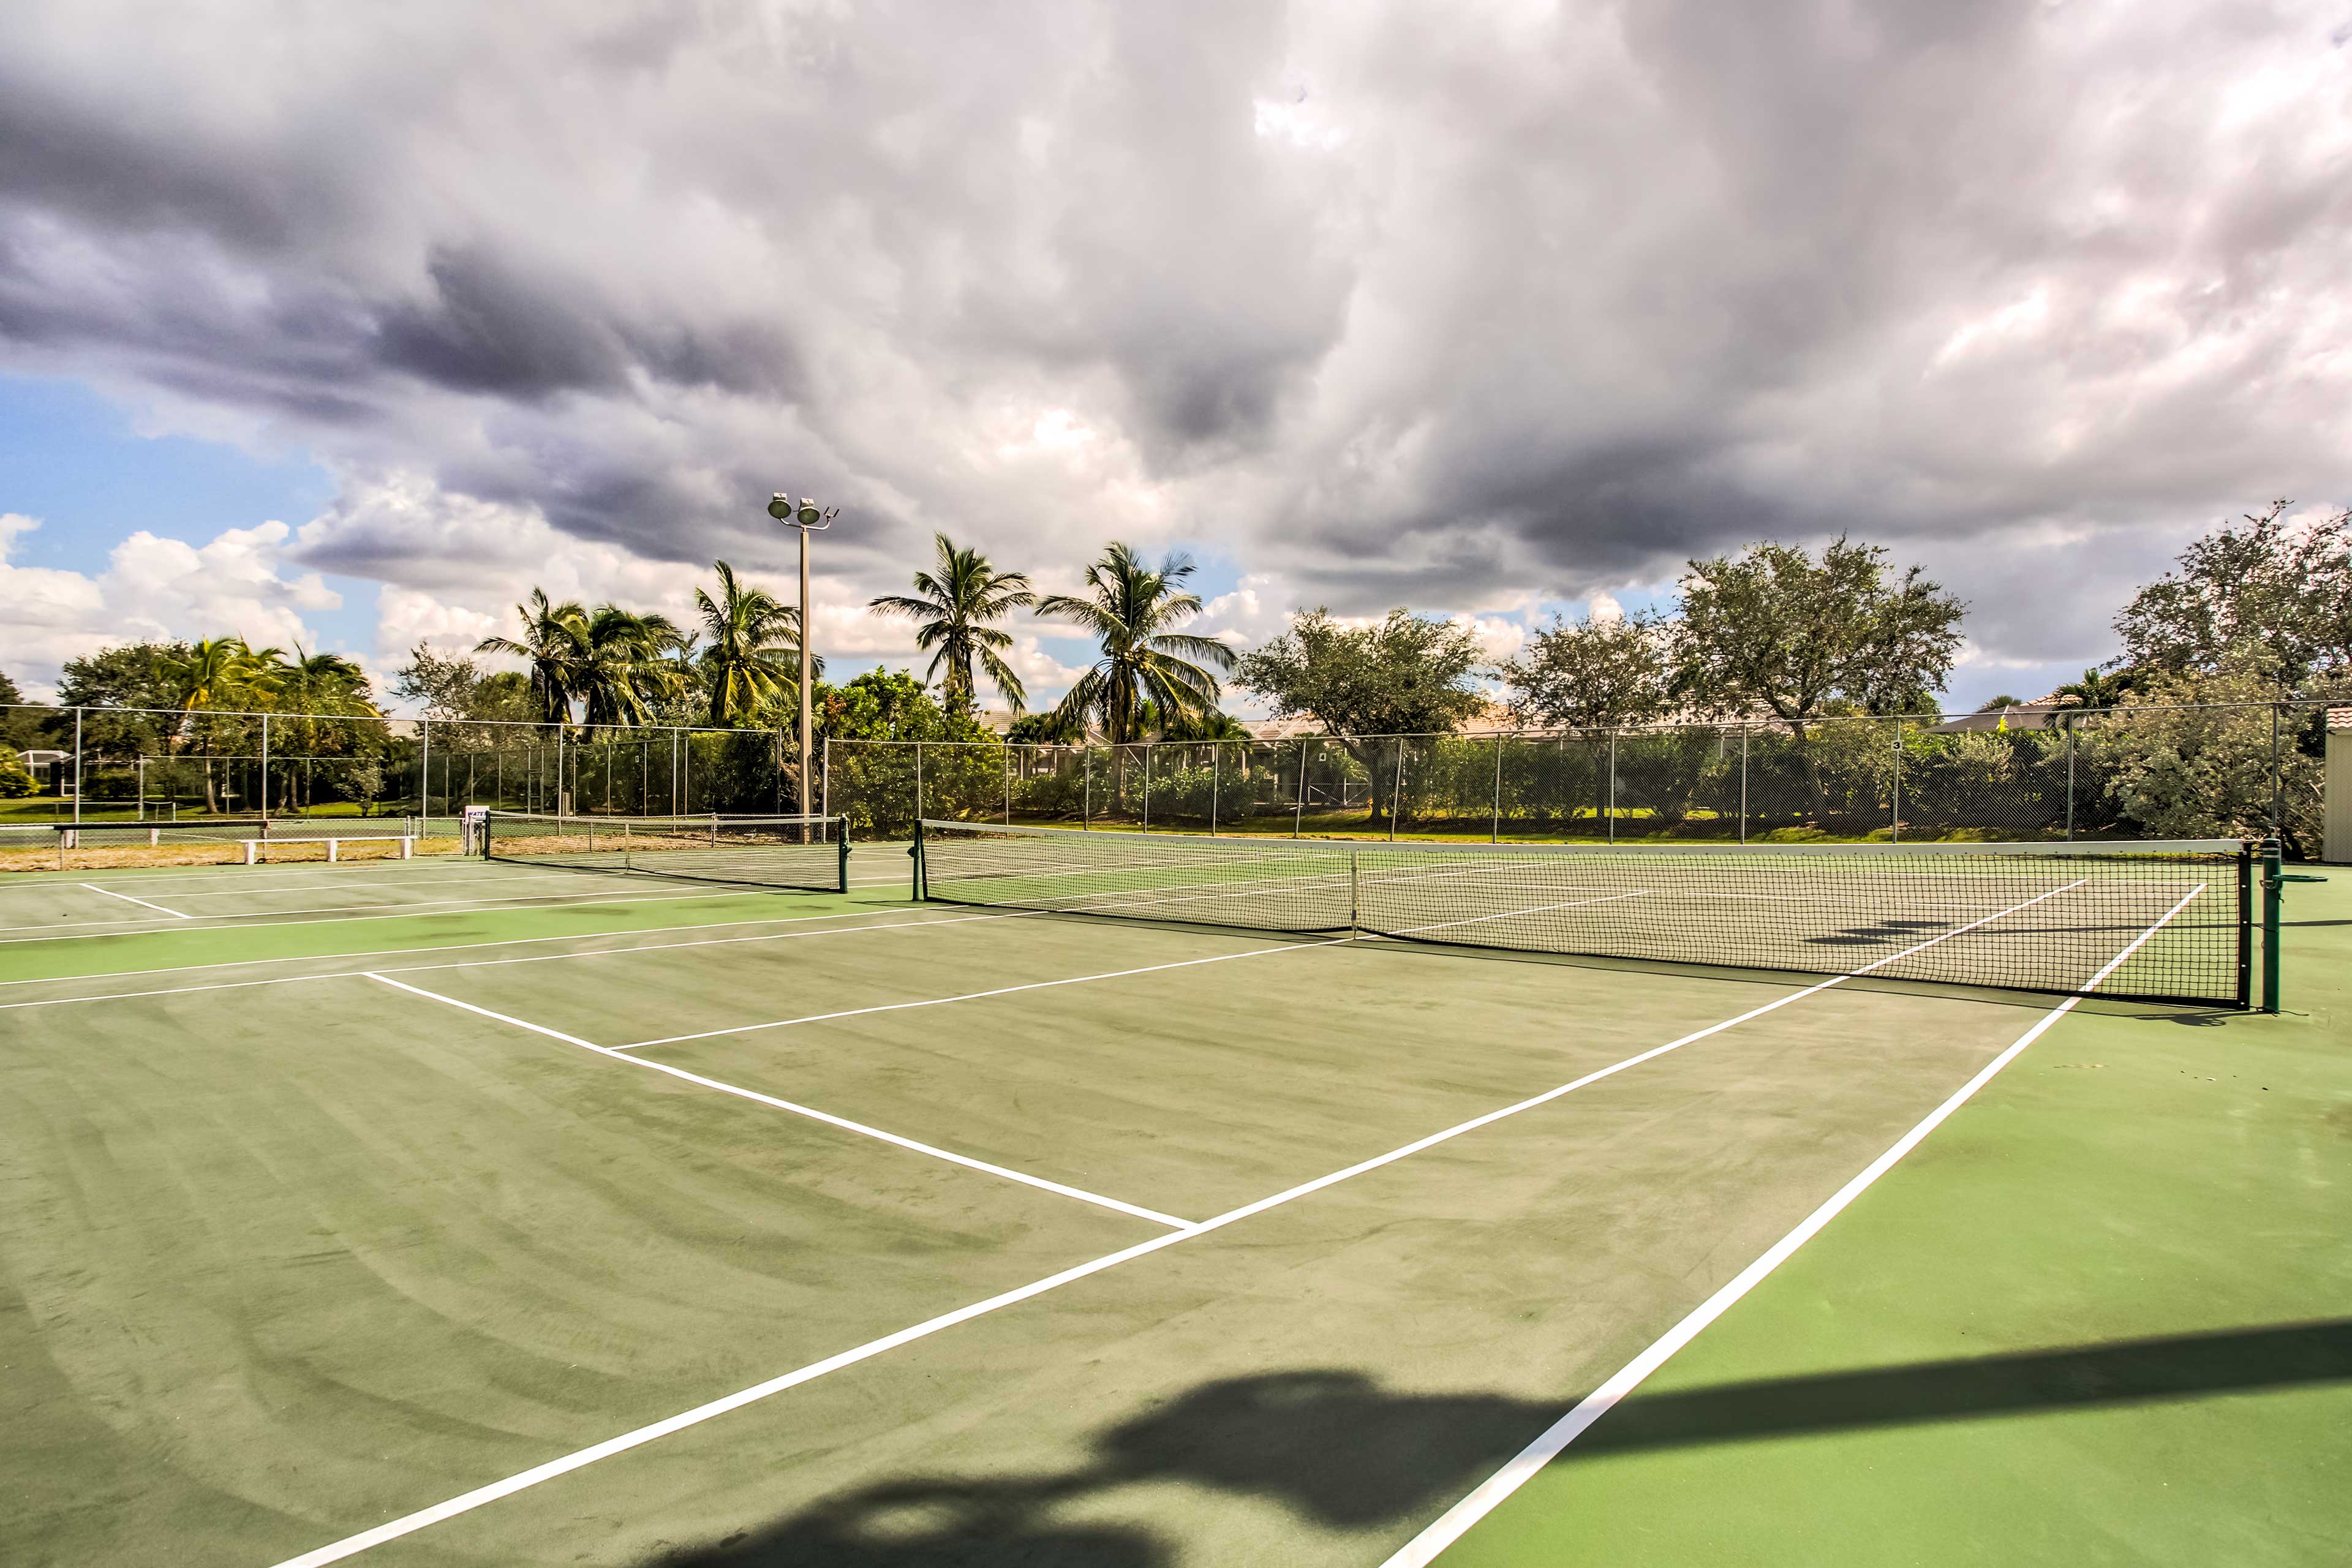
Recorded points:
2138,772
2216,770
97,764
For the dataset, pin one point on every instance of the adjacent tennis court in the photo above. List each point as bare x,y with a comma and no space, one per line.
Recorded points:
696,1196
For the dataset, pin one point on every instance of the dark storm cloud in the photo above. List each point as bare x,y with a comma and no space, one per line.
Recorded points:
1461,306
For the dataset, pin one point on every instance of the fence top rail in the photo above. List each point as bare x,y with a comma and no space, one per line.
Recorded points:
2049,847
572,726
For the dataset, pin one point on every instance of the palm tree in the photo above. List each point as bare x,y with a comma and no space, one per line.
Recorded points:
211,671
313,690
2094,690
1131,611
754,651
952,608
555,641
622,664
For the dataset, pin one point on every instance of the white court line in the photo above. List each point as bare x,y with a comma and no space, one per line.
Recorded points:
411,913
829,1120
1455,1521
359,874
477,962
408,1524
972,995
406,906
127,898
501,942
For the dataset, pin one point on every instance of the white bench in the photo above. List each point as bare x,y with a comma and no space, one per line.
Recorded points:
407,842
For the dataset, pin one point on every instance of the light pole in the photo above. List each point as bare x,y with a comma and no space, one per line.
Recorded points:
808,518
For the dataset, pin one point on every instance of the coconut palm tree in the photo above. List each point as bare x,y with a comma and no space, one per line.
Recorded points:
211,672
952,608
2094,690
555,640
622,664
754,648
1131,610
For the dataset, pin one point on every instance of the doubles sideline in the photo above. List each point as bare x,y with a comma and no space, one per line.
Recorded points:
408,1524
1455,1521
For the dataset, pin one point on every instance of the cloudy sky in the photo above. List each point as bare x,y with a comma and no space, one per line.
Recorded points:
347,324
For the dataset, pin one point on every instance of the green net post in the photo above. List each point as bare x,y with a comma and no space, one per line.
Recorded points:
2273,886
843,839
2246,924
922,890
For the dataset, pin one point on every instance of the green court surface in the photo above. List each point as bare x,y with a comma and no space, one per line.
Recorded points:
451,1213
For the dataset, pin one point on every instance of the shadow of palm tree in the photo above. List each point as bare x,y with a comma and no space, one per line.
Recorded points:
1337,1449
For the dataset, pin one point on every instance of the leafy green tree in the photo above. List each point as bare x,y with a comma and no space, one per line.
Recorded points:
1043,730
1405,675
954,609
22,726
1595,674
1132,611
131,675
448,687
2285,586
1777,629
752,652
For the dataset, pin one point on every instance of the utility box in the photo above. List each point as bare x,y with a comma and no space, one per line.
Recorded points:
2335,834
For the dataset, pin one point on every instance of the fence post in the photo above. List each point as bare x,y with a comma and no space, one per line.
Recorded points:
265,768
824,789
423,770
1147,786
1894,821
76,816
1612,786
1006,771
1396,788
564,796
1743,784
2278,807
2070,782
1298,795
1494,810
1216,776
918,786
1086,785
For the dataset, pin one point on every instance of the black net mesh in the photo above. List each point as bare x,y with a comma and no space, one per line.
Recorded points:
2158,920
794,852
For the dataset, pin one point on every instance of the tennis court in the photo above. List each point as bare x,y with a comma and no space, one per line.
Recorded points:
571,1205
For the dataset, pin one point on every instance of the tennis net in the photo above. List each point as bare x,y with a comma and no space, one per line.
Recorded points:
2032,917
807,853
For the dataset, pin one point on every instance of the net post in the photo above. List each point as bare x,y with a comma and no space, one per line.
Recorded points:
2245,924
842,841
922,888
2273,886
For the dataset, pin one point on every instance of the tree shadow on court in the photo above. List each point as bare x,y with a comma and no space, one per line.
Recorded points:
1338,1450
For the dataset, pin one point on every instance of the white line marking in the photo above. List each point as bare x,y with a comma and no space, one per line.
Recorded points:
1455,1521
142,903
408,1524
474,963
829,1120
412,913
402,907
470,946
971,995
